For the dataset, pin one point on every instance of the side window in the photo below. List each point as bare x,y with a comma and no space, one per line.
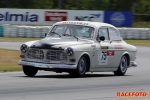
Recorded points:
114,34
103,32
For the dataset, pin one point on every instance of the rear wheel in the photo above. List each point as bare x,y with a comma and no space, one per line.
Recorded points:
30,71
122,67
81,68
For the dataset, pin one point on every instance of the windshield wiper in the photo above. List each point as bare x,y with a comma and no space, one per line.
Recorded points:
66,35
56,33
76,37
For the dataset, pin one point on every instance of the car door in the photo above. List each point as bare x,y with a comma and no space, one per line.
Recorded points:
117,44
106,50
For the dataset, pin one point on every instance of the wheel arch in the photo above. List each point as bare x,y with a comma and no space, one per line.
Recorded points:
88,60
128,57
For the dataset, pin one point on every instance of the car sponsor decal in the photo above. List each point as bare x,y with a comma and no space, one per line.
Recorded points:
104,56
104,47
110,53
43,61
63,62
94,53
118,47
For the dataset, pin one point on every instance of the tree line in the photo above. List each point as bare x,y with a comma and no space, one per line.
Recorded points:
140,8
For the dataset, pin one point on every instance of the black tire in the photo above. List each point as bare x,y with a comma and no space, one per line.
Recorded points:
81,68
30,71
72,73
122,67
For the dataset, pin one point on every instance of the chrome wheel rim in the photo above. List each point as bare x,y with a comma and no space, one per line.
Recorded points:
82,66
123,64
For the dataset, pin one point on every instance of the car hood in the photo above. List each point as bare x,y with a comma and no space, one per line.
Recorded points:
59,43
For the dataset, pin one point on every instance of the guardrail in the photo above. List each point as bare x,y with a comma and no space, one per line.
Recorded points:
24,31
8,30
135,33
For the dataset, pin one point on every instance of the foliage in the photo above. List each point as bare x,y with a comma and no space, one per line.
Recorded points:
137,6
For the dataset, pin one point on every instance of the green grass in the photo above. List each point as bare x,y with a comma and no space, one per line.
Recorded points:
14,39
9,60
141,25
139,42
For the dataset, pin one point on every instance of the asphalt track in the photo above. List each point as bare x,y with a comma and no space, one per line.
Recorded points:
94,86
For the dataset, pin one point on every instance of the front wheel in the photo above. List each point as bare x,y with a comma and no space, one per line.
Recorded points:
81,68
30,71
122,67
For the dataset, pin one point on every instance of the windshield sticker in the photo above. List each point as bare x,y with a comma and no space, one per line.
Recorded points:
78,23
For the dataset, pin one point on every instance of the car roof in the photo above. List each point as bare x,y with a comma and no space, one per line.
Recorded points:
86,23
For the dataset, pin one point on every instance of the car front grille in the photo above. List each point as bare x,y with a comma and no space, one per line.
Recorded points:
36,54
51,55
56,55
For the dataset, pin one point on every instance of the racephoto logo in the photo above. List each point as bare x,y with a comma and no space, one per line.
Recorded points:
54,16
26,17
117,18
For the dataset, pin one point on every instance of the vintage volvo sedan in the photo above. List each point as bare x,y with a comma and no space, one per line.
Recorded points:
77,47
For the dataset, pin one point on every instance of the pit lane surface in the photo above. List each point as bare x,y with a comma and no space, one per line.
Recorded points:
94,86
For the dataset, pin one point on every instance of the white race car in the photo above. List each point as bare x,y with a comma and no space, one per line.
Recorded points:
78,47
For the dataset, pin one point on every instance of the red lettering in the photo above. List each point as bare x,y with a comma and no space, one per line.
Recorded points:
118,94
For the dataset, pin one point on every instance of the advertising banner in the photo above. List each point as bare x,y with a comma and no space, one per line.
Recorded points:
49,17
85,15
46,16
118,18
32,16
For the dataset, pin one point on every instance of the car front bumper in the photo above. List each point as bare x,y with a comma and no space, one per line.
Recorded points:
43,65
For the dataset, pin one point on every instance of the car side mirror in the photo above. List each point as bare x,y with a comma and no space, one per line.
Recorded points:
102,38
45,34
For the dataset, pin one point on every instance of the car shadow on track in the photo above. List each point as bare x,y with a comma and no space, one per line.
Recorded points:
69,76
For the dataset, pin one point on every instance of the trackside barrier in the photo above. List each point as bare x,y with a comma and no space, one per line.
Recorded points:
135,33
39,31
24,31
1,29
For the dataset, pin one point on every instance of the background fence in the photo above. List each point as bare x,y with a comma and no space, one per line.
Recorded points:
8,30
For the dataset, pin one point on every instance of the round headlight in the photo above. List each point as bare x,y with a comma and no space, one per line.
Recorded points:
69,51
24,48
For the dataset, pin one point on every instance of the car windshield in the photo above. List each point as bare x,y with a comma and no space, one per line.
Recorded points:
72,30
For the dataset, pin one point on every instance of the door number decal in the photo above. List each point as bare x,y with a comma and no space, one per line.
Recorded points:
104,56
